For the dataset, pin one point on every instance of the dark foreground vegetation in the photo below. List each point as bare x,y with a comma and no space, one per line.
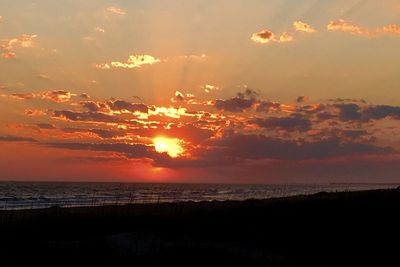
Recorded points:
326,229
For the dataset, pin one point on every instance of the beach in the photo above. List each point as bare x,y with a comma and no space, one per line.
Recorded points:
324,229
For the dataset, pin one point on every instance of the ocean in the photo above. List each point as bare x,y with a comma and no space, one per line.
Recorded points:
34,195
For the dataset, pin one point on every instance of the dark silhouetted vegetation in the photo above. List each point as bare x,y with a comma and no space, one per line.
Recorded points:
326,229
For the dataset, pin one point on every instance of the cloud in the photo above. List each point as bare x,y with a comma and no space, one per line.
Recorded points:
303,27
348,27
286,37
302,99
390,29
45,126
34,112
86,116
195,57
355,112
348,111
263,37
11,85
23,96
180,97
12,138
134,61
130,150
292,123
116,10
262,147
25,41
209,88
239,103
381,112
44,77
267,36
121,105
344,26
102,133
99,29
58,96
8,55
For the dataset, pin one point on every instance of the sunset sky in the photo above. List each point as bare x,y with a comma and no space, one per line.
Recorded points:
218,91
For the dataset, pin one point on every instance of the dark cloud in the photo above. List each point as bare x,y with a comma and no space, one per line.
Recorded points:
99,132
45,126
93,106
381,112
84,95
121,105
239,103
354,133
87,116
12,138
302,99
267,106
262,147
356,112
348,112
129,150
23,96
292,123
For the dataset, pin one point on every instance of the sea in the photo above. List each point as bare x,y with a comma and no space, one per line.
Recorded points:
35,195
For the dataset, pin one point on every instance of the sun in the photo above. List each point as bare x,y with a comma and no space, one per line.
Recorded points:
171,146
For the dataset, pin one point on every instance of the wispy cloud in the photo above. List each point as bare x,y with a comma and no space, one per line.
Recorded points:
209,88
116,10
9,55
286,37
58,96
25,41
352,28
303,27
390,29
134,61
99,29
43,77
266,36
348,27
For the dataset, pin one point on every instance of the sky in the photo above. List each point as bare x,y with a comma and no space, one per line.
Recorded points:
213,91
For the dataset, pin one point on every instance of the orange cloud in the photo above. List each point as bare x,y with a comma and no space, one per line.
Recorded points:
8,55
208,88
43,77
100,30
263,37
286,37
180,97
34,112
391,29
58,96
266,36
345,26
116,10
25,41
303,27
134,61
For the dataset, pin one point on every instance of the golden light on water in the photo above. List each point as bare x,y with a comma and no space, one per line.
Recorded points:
171,146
